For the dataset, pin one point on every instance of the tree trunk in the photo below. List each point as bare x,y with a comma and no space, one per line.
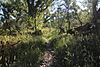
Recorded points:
95,17
31,9
94,3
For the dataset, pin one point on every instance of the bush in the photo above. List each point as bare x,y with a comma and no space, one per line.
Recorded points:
83,53
22,54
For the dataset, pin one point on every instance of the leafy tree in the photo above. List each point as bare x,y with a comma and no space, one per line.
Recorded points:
37,6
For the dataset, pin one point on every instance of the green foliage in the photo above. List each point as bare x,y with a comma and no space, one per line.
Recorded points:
28,55
81,53
24,40
22,54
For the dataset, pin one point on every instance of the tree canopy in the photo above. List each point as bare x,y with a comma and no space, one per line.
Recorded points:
50,33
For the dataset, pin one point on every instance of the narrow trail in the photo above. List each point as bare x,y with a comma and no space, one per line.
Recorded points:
48,59
49,54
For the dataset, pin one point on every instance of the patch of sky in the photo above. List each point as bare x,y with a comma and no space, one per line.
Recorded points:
83,4
57,4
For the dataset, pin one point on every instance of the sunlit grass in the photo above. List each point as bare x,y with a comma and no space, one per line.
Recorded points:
9,38
49,33
25,36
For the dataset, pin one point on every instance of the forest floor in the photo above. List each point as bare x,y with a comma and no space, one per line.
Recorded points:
48,57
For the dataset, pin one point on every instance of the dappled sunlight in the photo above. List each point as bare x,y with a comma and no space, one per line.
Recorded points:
49,33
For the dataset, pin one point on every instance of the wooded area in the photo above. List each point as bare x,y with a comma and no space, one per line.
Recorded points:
49,33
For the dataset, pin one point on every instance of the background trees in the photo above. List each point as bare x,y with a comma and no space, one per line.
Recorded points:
63,28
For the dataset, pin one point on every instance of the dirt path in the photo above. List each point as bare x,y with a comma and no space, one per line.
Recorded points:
48,59
49,55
